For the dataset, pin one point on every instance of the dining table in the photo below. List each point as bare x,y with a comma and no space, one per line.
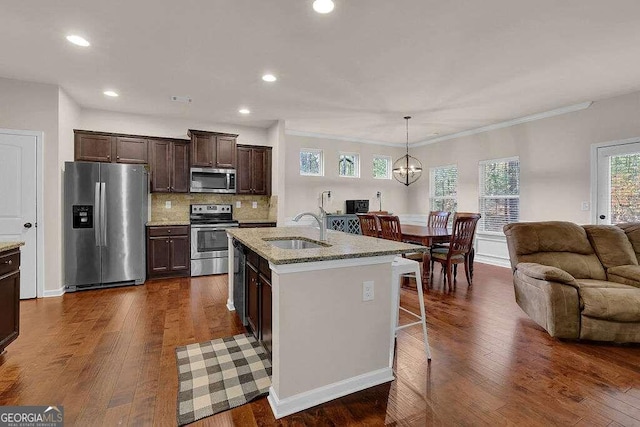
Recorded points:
428,236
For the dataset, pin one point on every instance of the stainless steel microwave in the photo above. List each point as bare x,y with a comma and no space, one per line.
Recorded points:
206,180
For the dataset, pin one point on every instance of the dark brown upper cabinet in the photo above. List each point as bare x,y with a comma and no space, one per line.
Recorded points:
169,166
212,149
110,148
254,170
91,147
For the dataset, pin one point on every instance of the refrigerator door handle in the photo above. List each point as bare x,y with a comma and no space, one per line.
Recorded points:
96,214
103,212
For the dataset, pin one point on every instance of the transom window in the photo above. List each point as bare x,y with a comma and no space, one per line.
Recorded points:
381,167
311,162
499,193
349,165
444,188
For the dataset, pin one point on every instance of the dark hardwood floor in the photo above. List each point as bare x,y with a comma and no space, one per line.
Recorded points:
108,357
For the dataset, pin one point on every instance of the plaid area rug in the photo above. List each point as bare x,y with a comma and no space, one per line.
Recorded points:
221,374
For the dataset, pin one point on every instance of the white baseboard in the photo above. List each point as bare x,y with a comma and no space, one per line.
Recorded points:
230,305
48,293
308,399
488,259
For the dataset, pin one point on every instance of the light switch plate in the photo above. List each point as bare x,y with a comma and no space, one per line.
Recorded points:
238,204
167,204
254,205
585,206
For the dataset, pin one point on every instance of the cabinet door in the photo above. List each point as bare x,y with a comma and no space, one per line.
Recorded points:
259,165
180,253
159,255
131,150
225,152
92,148
244,173
253,307
202,150
265,318
9,309
160,166
180,182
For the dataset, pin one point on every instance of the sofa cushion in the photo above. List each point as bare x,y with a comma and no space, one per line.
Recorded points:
627,274
590,283
611,245
617,305
632,230
559,244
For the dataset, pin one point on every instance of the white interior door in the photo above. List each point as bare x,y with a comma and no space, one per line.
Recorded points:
18,196
618,183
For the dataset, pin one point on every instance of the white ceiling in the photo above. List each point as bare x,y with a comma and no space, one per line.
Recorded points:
453,65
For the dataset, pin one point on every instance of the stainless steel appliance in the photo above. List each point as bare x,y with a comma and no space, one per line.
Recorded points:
206,180
357,206
239,298
209,250
105,211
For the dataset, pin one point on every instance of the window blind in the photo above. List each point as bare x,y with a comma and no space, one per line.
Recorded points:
444,188
625,188
499,202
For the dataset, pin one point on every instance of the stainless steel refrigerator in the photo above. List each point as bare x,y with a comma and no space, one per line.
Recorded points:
105,212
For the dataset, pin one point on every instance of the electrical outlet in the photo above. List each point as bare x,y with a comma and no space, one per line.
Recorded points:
585,206
238,204
367,291
254,205
167,204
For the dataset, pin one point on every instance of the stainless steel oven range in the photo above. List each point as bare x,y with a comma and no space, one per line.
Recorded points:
209,251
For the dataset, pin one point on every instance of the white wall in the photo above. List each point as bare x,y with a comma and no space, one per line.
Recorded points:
554,163
138,124
303,192
277,139
34,106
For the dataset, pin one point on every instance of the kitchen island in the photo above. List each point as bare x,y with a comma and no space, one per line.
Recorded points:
326,341
10,292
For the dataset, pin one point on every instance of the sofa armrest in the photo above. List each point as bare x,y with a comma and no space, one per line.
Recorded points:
546,272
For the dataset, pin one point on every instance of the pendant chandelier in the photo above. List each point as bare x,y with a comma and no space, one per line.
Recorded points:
407,169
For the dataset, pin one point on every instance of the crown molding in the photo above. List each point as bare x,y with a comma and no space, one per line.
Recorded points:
506,124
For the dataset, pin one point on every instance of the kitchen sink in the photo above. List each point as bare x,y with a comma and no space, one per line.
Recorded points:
294,243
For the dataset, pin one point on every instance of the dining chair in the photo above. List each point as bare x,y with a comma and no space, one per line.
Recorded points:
459,249
390,229
439,219
369,225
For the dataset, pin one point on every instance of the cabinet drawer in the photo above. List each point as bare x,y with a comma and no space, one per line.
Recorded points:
9,262
180,230
264,268
253,259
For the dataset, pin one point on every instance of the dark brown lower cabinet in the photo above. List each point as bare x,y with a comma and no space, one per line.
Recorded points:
9,297
258,299
168,251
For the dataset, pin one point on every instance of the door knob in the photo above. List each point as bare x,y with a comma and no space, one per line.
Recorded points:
602,217
28,225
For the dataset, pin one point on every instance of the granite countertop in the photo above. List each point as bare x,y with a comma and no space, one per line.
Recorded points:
256,221
166,222
6,246
342,245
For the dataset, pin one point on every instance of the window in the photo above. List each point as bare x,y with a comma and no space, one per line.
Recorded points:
349,165
311,162
444,188
382,167
499,193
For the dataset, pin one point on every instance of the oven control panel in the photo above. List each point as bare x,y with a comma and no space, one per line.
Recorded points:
210,209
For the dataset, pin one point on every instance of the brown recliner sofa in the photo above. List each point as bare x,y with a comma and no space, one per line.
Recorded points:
578,282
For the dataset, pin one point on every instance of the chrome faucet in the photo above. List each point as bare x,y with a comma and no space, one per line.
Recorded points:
322,222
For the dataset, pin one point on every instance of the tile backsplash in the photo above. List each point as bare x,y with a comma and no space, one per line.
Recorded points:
179,210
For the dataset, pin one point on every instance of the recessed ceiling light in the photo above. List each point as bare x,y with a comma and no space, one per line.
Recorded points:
110,93
323,6
79,41
435,133
244,111
269,78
